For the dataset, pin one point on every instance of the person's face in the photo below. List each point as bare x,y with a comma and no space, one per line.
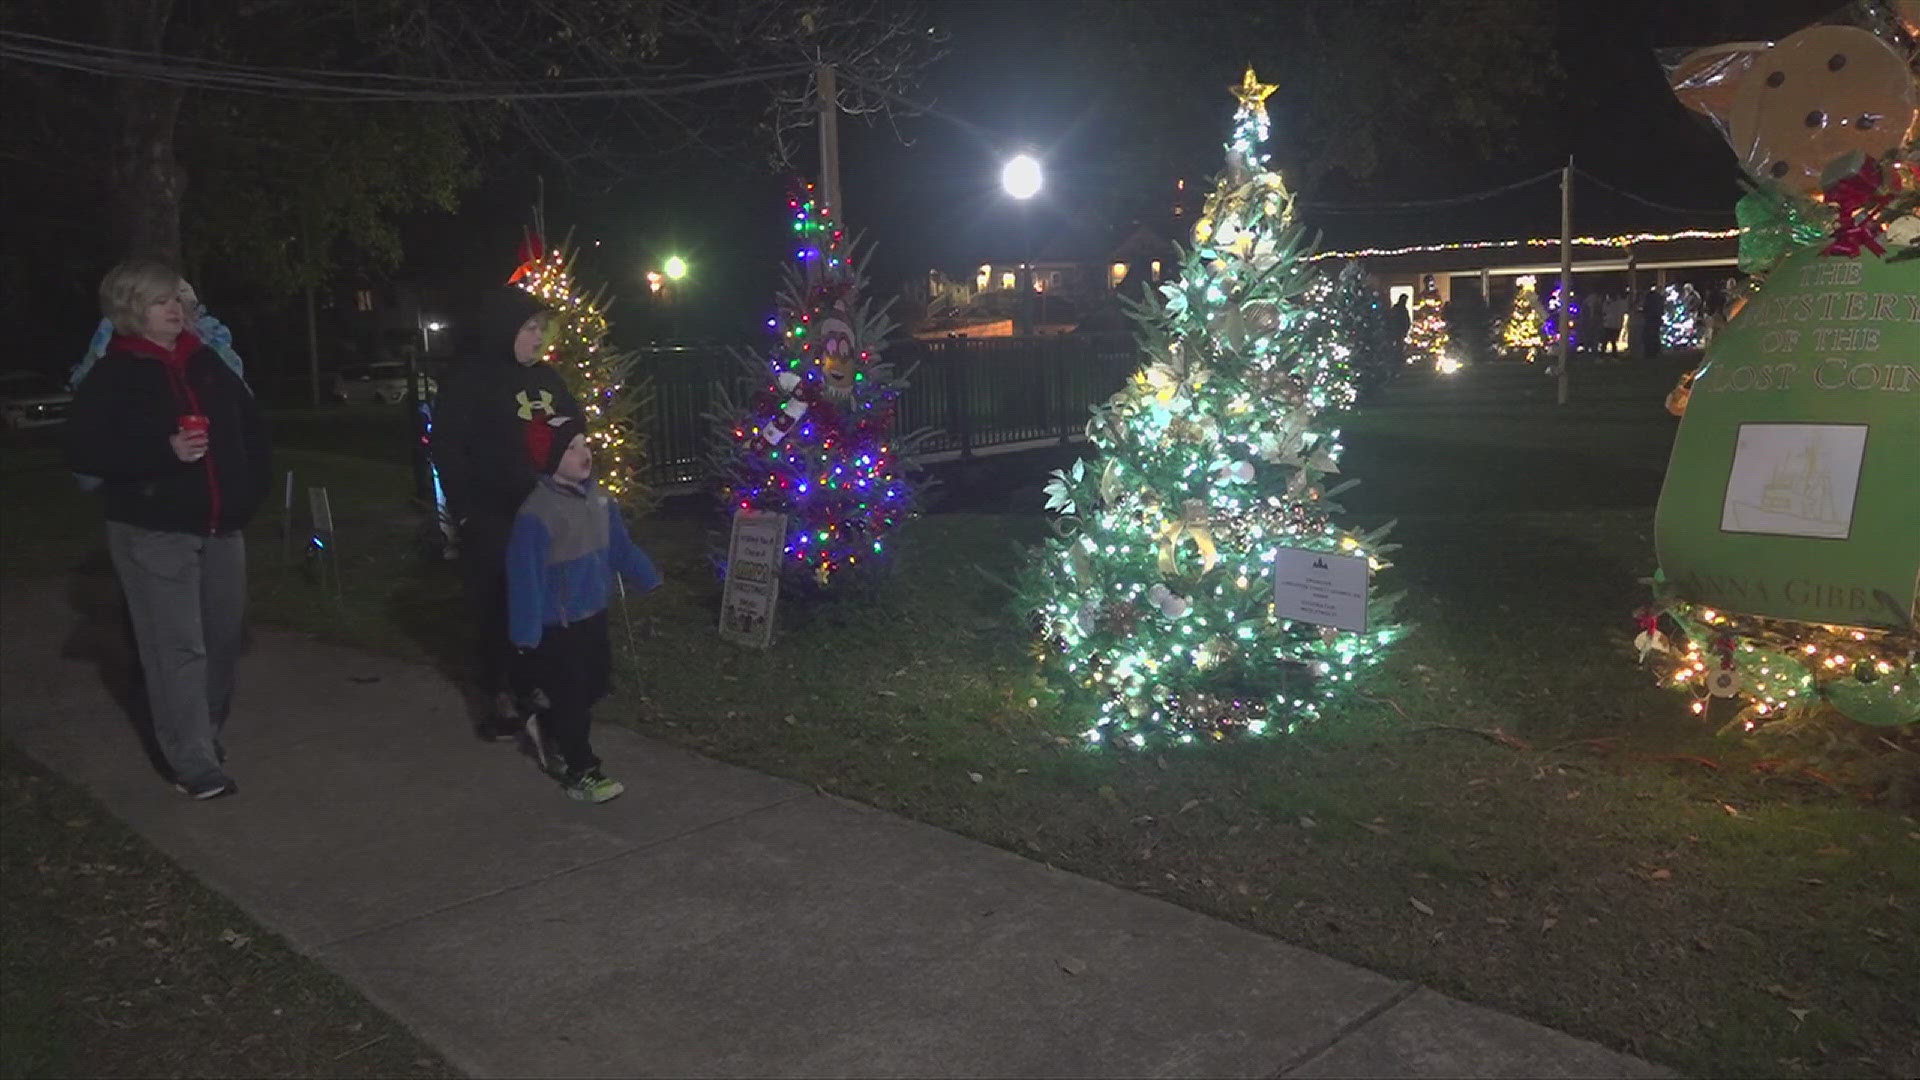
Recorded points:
164,319
530,343
577,463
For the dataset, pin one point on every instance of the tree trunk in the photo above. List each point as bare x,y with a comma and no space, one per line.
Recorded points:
148,182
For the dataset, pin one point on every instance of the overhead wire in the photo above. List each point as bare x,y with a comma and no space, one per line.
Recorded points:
323,85
1625,194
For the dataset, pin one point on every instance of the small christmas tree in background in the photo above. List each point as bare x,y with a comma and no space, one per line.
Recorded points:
1555,322
1360,310
1524,335
1427,334
816,441
1681,324
595,372
1155,604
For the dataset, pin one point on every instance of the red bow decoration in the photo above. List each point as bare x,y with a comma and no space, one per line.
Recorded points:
1857,200
1648,619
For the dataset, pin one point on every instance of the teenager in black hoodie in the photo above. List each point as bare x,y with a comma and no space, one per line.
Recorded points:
181,450
479,447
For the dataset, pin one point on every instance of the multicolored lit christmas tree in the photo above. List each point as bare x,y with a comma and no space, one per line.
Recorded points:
816,440
1154,606
1571,322
1525,334
1427,333
597,373
1682,322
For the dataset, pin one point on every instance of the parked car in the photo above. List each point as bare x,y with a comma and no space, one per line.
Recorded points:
29,400
384,383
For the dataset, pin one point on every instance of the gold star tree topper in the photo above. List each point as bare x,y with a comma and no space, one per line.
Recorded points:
1252,92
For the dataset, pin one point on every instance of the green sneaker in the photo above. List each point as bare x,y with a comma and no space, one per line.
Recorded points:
592,786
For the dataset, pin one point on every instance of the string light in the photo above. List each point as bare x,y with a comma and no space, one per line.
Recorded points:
1621,241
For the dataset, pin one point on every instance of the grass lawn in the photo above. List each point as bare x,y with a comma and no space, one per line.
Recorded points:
1512,814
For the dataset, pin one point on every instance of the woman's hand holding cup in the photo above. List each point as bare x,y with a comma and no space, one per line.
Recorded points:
190,441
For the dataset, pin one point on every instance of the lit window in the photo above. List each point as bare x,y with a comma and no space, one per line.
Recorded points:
1006,280
980,280
1116,273
1155,267
363,300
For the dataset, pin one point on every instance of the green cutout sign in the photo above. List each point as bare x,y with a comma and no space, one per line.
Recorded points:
1794,486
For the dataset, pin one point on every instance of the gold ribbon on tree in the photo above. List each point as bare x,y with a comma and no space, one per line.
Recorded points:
1190,525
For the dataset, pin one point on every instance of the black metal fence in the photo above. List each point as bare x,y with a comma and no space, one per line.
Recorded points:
975,393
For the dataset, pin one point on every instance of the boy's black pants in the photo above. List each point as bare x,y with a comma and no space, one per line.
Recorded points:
573,665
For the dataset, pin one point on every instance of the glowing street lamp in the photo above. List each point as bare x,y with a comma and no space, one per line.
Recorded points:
676,267
1020,177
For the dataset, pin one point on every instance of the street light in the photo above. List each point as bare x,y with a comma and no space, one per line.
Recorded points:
676,267
1020,177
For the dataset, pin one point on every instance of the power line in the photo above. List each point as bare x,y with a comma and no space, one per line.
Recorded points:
1424,204
323,85
1623,193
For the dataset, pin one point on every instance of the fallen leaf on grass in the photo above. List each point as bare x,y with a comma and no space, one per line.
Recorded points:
888,693
1308,823
1188,805
1375,829
788,719
1662,874
1833,851
1548,924
1419,906
1800,1014
1073,966
975,777
235,939
1881,934
1495,920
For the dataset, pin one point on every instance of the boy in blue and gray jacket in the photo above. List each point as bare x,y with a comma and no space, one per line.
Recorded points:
567,543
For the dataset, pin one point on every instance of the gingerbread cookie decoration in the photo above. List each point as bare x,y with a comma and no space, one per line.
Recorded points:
1817,95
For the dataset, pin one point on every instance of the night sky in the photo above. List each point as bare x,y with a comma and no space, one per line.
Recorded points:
1041,75
1007,84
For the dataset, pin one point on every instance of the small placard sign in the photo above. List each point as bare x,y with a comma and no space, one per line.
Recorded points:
1320,587
758,543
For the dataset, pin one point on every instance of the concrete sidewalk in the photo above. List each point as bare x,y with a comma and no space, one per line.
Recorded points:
712,922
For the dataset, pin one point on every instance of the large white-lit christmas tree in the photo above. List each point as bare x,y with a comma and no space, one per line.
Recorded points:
1154,606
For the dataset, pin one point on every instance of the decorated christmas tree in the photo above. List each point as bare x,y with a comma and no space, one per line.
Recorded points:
1361,313
1555,322
816,439
1427,334
1525,336
1681,318
1155,603
597,373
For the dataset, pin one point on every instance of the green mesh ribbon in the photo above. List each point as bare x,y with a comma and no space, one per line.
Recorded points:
1775,224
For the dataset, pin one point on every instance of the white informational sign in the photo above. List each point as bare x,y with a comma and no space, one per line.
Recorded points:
752,589
1321,588
1794,479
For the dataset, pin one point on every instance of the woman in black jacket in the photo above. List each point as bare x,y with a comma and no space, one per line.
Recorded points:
181,447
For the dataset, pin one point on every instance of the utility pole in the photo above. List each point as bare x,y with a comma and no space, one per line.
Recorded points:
1566,275
830,141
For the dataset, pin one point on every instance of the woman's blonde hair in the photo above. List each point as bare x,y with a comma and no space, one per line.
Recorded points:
129,288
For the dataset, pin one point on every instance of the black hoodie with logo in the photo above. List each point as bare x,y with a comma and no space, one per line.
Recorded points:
479,426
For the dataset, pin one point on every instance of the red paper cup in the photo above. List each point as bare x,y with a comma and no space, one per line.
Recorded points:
193,422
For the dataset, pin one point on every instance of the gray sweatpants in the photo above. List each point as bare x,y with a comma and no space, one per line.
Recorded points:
188,598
